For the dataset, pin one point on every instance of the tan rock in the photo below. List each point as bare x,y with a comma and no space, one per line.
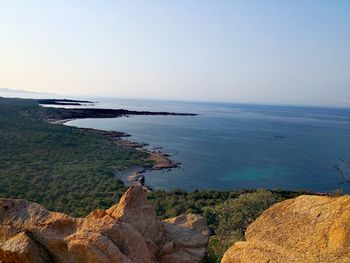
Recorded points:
22,248
66,239
133,208
193,222
189,235
305,229
128,232
168,248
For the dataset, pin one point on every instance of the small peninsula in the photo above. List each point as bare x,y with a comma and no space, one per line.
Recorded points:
61,115
64,102
156,160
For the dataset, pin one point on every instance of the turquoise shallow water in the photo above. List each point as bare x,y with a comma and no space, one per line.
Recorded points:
231,146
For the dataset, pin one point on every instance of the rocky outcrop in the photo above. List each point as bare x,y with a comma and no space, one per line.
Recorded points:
187,238
127,232
305,229
133,208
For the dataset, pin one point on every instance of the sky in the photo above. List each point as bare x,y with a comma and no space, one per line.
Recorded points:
284,52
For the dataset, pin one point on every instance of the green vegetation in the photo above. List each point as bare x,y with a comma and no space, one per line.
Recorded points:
64,168
234,216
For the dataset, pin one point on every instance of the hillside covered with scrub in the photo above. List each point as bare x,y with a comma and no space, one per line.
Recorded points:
63,168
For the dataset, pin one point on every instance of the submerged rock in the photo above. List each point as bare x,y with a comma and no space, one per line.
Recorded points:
127,232
312,229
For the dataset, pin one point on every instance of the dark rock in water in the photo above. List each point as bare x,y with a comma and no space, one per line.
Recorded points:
157,148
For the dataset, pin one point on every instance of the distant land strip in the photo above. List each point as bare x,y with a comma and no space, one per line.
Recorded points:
64,102
62,114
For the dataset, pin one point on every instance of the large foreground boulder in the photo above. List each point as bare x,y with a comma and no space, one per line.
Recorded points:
310,229
127,232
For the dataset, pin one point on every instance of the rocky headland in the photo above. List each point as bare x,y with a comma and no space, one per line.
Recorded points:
127,232
65,114
159,159
65,102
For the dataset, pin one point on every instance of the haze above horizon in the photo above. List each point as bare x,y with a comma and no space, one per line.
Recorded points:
294,52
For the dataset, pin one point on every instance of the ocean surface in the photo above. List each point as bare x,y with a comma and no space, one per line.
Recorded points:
234,146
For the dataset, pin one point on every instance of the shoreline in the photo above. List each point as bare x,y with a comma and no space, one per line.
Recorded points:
160,159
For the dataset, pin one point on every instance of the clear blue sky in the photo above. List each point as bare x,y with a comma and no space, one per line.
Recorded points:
294,52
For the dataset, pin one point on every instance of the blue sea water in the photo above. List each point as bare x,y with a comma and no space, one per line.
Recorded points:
234,146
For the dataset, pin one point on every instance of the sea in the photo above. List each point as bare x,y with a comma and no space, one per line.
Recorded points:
231,146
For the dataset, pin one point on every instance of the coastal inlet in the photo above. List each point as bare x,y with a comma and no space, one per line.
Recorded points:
156,160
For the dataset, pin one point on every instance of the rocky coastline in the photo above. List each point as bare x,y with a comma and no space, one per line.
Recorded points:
81,111
158,159
65,102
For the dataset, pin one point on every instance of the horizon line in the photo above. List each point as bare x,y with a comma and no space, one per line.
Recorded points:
65,96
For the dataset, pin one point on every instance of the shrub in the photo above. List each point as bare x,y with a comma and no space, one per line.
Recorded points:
235,215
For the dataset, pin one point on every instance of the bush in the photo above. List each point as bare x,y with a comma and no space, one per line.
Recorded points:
215,251
235,215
